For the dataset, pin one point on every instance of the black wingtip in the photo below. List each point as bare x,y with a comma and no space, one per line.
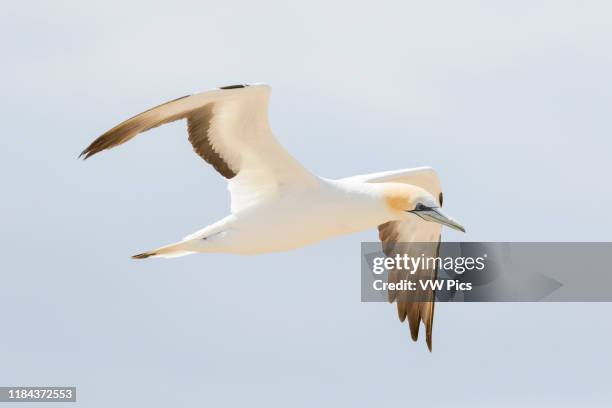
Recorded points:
238,86
144,255
85,154
414,327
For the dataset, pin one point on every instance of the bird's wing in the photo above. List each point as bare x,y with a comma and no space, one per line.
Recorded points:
414,237
228,127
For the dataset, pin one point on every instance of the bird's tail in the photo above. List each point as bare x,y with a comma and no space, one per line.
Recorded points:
169,251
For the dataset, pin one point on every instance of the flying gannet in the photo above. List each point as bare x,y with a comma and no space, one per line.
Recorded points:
278,205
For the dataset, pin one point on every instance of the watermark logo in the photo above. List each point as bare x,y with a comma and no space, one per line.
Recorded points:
487,272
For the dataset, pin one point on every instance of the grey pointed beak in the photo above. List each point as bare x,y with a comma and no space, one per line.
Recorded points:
435,214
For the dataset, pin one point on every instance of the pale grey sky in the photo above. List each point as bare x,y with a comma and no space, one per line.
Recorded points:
509,101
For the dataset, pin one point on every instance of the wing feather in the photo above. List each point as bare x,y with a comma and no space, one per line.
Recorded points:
229,129
415,237
198,127
126,130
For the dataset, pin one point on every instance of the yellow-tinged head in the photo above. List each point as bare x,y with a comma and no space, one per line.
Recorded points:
402,197
406,199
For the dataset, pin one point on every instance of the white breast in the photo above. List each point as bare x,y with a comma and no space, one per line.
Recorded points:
303,217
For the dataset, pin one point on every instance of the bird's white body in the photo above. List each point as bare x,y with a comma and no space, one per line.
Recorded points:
295,218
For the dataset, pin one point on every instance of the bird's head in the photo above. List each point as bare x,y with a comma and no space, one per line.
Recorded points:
407,200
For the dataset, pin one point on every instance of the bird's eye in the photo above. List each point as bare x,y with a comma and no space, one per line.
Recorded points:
420,207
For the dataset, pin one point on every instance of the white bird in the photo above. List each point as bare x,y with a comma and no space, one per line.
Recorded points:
277,204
